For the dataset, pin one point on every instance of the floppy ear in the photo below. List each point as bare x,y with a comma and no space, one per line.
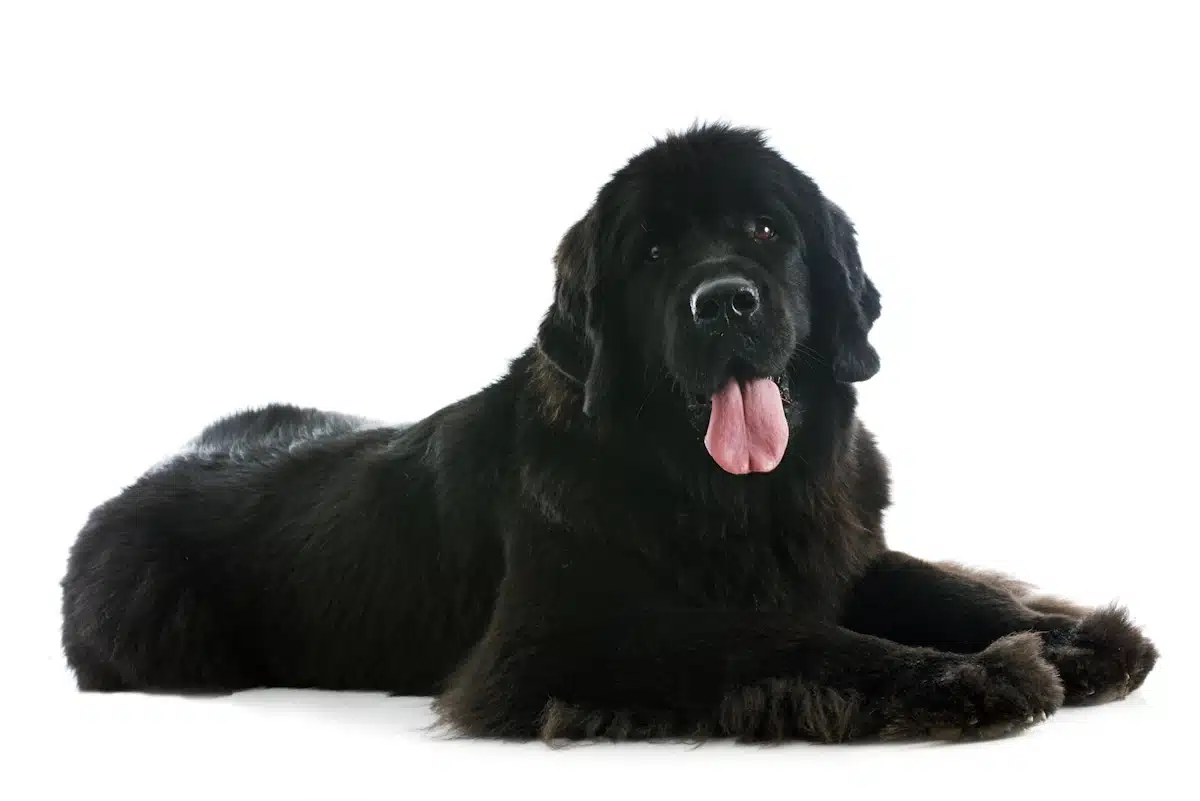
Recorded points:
851,298
570,335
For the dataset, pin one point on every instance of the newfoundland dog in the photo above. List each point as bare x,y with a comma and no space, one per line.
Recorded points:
664,521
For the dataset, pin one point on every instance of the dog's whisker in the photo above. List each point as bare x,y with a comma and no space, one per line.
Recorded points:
813,356
662,374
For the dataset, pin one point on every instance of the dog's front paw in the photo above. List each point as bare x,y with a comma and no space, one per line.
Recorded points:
1102,658
1002,689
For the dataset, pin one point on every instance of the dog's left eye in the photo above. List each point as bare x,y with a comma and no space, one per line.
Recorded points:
763,230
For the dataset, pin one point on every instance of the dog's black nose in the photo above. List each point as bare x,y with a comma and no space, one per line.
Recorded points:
727,298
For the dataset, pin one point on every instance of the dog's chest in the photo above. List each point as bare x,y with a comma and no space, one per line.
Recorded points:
803,565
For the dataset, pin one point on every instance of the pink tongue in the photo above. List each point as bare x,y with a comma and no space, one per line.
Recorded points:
747,432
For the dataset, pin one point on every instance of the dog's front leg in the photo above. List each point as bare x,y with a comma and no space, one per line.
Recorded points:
1099,654
560,673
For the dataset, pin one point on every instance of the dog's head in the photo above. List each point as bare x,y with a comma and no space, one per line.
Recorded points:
710,260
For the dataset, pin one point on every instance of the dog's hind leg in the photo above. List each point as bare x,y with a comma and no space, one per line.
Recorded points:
133,620
93,673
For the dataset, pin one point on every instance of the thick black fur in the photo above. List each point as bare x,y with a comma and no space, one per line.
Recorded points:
558,556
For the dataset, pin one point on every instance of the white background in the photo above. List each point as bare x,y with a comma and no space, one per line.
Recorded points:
206,206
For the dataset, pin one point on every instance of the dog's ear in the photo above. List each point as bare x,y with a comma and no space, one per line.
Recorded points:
851,299
570,335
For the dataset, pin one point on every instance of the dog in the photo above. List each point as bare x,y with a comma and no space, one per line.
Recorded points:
663,522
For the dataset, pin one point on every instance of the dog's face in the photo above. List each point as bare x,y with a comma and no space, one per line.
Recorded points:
711,261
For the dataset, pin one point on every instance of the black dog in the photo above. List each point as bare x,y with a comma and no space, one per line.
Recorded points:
663,521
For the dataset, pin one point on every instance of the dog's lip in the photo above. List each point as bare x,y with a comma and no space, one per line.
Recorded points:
698,399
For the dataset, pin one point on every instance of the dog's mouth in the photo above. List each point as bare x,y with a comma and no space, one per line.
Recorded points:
747,429
700,403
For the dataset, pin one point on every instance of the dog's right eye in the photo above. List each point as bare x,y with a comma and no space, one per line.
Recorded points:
653,253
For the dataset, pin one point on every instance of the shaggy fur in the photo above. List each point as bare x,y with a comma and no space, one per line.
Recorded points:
558,557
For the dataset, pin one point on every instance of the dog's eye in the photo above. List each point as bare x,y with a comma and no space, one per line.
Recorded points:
763,229
653,253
